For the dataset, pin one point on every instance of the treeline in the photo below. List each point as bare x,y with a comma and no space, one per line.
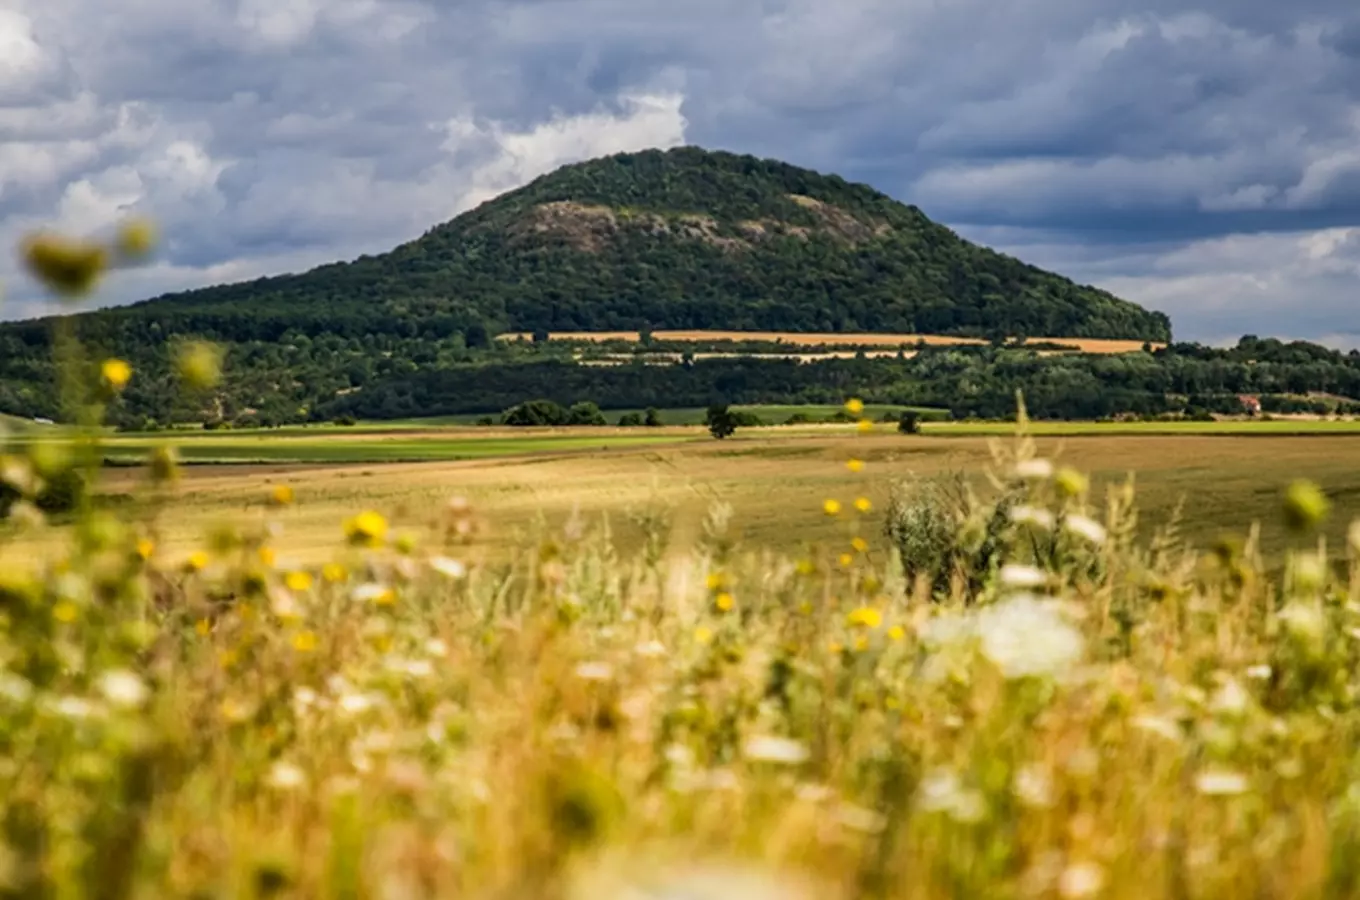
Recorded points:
301,379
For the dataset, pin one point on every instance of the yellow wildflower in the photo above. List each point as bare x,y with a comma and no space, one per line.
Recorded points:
65,611
863,504
703,635
199,364
334,573
715,581
846,559
897,633
855,465
202,627
835,646
859,544
282,495
197,561
228,658
146,547
854,406
136,239
805,567
268,556
865,426
724,602
367,528
116,373
831,507
861,643
865,617
304,641
298,581
67,267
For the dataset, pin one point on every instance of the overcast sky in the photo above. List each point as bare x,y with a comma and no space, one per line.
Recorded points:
1200,158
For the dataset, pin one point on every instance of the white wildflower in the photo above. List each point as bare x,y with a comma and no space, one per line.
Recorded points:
15,688
450,568
123,688
304,698
1231,699
1014,575
651,649
285,776
436,648
1259,673
285,606
1033,787
1160,726
1081,880
858,818
594,671
1310,571
679,756
1221,783
353,703
1036,469
772,749
1023,638
943,792
74,708
369,593
1085,527
1033,516
1305,623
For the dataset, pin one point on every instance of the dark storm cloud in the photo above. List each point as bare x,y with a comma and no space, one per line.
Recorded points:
1187,156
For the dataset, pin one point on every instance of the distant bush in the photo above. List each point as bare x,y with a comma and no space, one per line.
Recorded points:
536,413
909,423
585,413
744,418
630,420
798,418
345,421
485,421
720,421
653,418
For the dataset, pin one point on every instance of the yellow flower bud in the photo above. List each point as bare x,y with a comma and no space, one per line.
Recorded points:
70,268
136,239
199,364
115,373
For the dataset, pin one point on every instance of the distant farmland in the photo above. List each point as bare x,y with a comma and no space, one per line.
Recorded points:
826,339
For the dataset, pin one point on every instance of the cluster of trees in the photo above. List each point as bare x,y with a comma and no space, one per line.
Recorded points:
326,379
546,413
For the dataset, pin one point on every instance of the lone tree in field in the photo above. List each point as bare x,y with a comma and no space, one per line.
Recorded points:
909,423
720,421
653,418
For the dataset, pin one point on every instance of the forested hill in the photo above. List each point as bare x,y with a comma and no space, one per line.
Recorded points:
684,238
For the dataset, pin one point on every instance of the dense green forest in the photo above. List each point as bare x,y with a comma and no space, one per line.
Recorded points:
679,239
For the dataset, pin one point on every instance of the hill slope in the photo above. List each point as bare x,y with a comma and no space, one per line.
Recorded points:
679,239
682,239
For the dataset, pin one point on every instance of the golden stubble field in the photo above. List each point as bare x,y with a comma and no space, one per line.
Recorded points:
815,339
775,487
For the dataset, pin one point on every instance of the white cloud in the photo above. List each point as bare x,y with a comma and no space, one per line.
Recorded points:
270,135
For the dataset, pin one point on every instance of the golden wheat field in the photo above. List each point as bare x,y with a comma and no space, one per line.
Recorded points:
830,339
1209,484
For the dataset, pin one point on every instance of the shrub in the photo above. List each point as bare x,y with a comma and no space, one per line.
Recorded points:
585,413
536,413
630,420
909,423
345,421
653,418
719,420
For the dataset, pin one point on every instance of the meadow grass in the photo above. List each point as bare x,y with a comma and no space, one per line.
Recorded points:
1074,707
